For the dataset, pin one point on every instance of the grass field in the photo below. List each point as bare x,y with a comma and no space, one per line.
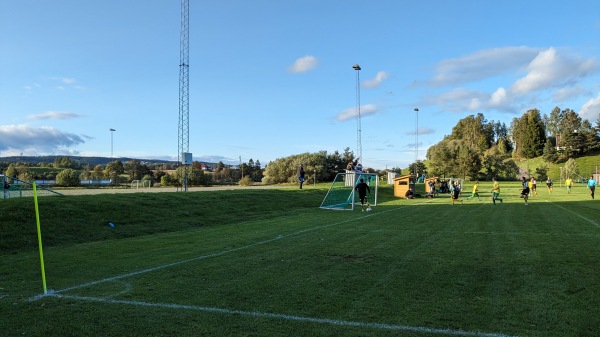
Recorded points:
271,263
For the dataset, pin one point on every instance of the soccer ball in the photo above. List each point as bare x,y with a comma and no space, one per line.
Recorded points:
369,209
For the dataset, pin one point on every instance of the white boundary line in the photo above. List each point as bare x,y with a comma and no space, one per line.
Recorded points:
394,327
579,215
383,326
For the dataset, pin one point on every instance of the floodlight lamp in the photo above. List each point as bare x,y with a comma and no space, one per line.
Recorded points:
417,109
356,67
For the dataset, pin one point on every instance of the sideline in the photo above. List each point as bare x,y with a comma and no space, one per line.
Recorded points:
577,214
384,326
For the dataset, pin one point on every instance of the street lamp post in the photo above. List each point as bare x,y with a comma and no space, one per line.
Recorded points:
358,126
416,143
111,141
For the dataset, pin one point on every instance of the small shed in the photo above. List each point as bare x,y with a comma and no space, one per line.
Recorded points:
402,184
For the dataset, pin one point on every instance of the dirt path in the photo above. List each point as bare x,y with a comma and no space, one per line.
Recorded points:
92,191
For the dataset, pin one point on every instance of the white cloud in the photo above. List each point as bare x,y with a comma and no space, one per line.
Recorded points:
65,80
54,115
499,98
304,64
551,69
365,110
481,65
458,100
568,93
591,109
22,138
380,77
421,131
544,69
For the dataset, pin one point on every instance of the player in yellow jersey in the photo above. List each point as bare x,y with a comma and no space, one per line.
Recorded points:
475,191
496,191
569,184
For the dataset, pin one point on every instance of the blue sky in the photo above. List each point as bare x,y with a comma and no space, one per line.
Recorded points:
269,79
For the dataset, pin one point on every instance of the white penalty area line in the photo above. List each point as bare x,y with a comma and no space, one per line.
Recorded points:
215,254
383,326
577,214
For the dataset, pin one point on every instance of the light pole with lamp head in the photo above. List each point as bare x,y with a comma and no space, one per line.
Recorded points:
416,144
358,126
111,141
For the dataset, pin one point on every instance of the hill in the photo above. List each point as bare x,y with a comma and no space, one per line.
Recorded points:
85,160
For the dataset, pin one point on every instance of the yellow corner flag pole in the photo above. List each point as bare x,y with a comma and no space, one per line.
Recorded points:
39,233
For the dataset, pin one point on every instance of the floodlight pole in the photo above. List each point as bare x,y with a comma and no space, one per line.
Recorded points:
358,126
111,141
416,144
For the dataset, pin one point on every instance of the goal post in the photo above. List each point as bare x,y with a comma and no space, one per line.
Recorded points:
342,194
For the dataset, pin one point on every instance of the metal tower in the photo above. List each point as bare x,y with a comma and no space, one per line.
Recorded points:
184,103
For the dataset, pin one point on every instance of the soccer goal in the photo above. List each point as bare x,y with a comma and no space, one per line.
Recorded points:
342,194
141,183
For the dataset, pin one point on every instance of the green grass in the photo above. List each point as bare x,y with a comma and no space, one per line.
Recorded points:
270,263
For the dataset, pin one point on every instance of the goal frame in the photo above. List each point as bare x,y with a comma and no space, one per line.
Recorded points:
350,180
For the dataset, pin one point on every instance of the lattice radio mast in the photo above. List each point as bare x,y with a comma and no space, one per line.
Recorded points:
184,103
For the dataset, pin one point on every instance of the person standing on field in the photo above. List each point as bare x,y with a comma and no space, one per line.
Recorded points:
549,183
569,184
496,191
592,185
301,175
362,189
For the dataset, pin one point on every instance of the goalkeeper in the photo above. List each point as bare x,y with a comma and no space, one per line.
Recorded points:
362,189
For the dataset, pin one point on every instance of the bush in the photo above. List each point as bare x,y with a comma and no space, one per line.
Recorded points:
67,177
246,181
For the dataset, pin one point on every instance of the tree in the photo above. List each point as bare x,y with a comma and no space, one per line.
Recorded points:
11,171
98,172
136,170
475,132
220,166
550,153
441,158
64,162
468,163
420,167
570,138
113,169
553,123
529,135
67,177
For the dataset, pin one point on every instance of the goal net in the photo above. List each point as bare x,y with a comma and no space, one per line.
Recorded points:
342,194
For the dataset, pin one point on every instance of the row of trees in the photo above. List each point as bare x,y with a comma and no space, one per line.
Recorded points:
67,172
478,149
319,166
